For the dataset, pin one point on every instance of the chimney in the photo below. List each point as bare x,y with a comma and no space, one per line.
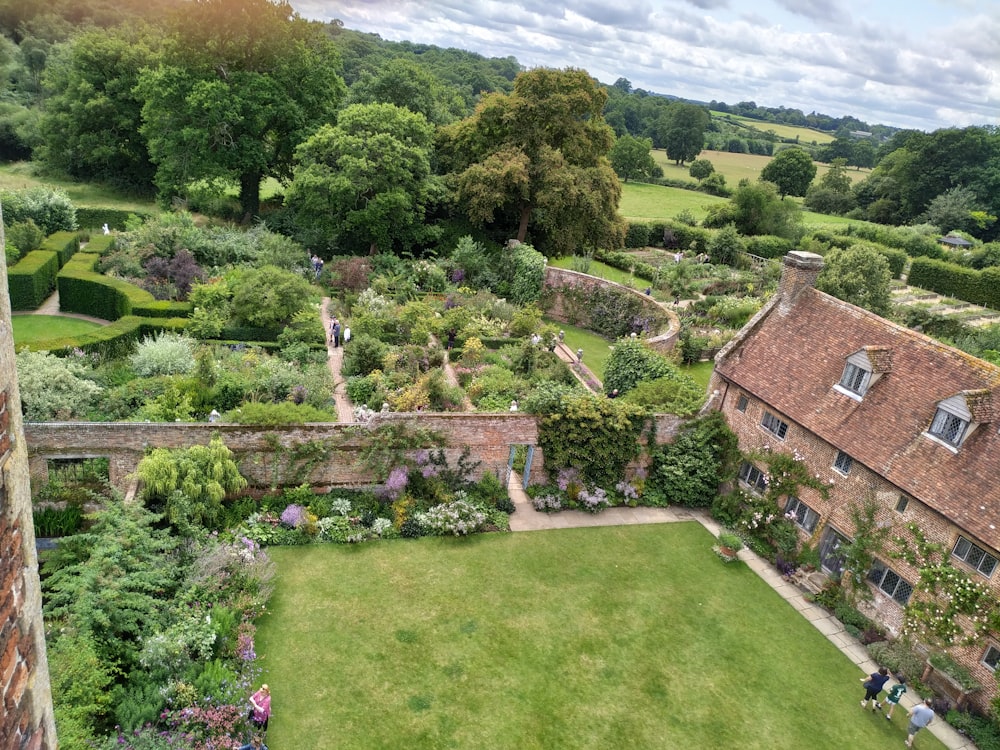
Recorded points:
800,272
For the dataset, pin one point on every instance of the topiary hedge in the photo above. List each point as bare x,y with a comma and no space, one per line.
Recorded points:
637,234
33,279
64,244
82,290
162,309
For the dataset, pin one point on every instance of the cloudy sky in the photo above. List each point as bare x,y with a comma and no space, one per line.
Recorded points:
921,64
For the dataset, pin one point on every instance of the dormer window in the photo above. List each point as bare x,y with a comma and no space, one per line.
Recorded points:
958,417
948,427
855,379
863,369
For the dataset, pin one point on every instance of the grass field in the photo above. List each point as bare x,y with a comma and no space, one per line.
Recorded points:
805,135
596,349
645,202
21,175
578,639
735,167
39,327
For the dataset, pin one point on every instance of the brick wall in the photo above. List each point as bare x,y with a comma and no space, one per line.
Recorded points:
835,512
26,720
489,438
555,278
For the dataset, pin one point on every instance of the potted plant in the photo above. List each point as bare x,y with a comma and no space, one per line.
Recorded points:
728,545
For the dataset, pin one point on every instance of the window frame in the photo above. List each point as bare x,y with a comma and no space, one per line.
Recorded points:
759,484
982,557
803,514
879,573
940,427
843,463
780,427
902,503
849,380
741,403
985,661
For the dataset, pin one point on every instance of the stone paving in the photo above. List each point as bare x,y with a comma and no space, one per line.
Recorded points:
526,518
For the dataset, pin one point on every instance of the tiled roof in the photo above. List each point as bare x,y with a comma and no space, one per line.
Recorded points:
796,354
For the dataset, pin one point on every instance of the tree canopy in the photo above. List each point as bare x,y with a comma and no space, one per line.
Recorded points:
792,170
631,157
682,130
537,159
241,84
859,275
365,183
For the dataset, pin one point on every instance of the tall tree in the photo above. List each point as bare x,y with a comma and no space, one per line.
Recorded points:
792,170
538,158
860,275
631,157
365,183
682,131
90,128
242,83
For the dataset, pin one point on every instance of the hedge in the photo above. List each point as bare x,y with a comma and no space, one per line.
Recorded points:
626,262
33,279
95,218
637,234
952,280
686,237
65,244
100,243
768,246
162,309
81,290
897,260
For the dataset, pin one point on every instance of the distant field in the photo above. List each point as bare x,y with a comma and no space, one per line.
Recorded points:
805,135
645,202
21,175
735,167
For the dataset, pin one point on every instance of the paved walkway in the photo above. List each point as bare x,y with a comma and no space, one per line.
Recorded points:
526,518
335,360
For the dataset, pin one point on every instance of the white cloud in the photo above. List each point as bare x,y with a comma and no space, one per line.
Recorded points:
911,63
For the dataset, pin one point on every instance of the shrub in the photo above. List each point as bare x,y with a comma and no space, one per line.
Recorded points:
283,413
982,730
25,236
632,362
364,355
457,518
55,388
898,657
164,354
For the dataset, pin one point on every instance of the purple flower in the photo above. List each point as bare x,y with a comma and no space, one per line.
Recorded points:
457,275
294,516
398,479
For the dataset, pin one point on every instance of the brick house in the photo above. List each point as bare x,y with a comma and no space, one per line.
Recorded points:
878,412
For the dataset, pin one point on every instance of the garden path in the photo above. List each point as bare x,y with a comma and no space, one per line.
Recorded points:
526,518
335,360
580,371
51,307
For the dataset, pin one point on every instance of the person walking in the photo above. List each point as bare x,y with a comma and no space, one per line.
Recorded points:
920,716
895,693
873,685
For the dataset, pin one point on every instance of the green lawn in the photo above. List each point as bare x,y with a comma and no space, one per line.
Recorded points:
40,327
701,372
21,175
645,202
596,350
626,637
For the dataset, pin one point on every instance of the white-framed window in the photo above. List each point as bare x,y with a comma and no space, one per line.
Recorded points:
843,463
805,517
753,477
974,556
890,582
741,403
949,428
774,425
855,378
991,659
